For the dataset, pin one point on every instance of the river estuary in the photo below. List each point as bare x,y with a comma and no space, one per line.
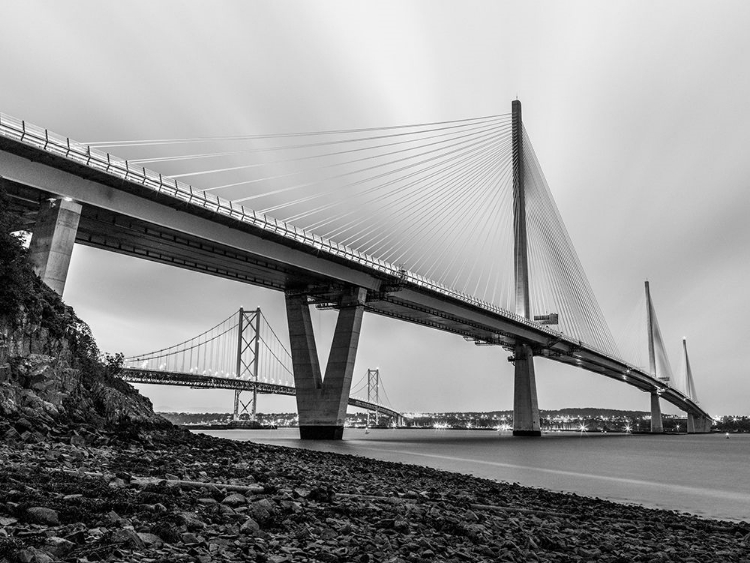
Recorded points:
703,474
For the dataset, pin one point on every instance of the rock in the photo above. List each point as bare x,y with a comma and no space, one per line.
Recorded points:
126,538
401,526
262,511
42,515
235,499
150,540
189,538
7,521
301,492
249,526
191,520
59,547
78,441
11,435
32,555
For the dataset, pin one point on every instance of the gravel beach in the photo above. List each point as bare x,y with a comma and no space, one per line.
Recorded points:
168,495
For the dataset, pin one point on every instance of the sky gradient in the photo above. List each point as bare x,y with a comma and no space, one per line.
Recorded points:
639,113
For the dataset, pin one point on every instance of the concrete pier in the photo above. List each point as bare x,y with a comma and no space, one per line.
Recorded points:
656,424
52,241
698,424
321,402
525,405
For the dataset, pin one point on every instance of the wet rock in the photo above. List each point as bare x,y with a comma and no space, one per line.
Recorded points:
42,515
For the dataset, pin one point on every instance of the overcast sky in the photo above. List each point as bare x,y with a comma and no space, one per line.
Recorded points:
639,113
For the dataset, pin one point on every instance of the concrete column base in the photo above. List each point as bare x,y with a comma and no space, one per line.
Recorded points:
656,423
527,432
322,402
52,241
321,432
525,405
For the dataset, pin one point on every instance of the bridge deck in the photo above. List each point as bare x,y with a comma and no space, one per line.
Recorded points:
139,213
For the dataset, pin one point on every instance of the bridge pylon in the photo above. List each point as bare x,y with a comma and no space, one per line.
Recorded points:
525,404
322,401
661,369
696,424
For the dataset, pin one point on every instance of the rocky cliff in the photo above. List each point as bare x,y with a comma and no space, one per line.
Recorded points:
52,376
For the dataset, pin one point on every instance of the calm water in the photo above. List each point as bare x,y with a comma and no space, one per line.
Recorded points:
706,474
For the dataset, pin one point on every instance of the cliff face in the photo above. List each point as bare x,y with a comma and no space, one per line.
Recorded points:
51,373
48,383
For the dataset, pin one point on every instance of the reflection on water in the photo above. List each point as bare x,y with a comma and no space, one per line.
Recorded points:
704,474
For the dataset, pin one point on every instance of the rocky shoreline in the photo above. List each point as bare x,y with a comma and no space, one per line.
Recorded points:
89,473
168,495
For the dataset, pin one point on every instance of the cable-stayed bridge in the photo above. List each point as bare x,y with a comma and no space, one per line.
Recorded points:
448,225
241,353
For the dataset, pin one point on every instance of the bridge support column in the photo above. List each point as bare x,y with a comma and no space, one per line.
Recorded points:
656,424
52,241
321,402
690,423
698,424
525,405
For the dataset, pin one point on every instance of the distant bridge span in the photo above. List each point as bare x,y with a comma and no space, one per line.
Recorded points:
154,377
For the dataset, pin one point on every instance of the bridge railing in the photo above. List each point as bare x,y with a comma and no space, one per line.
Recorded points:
105,162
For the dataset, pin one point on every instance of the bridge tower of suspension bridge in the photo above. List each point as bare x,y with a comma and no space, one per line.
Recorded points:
248,340
373,393
525,404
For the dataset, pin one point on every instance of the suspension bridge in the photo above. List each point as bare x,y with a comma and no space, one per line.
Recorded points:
449,225
241,353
